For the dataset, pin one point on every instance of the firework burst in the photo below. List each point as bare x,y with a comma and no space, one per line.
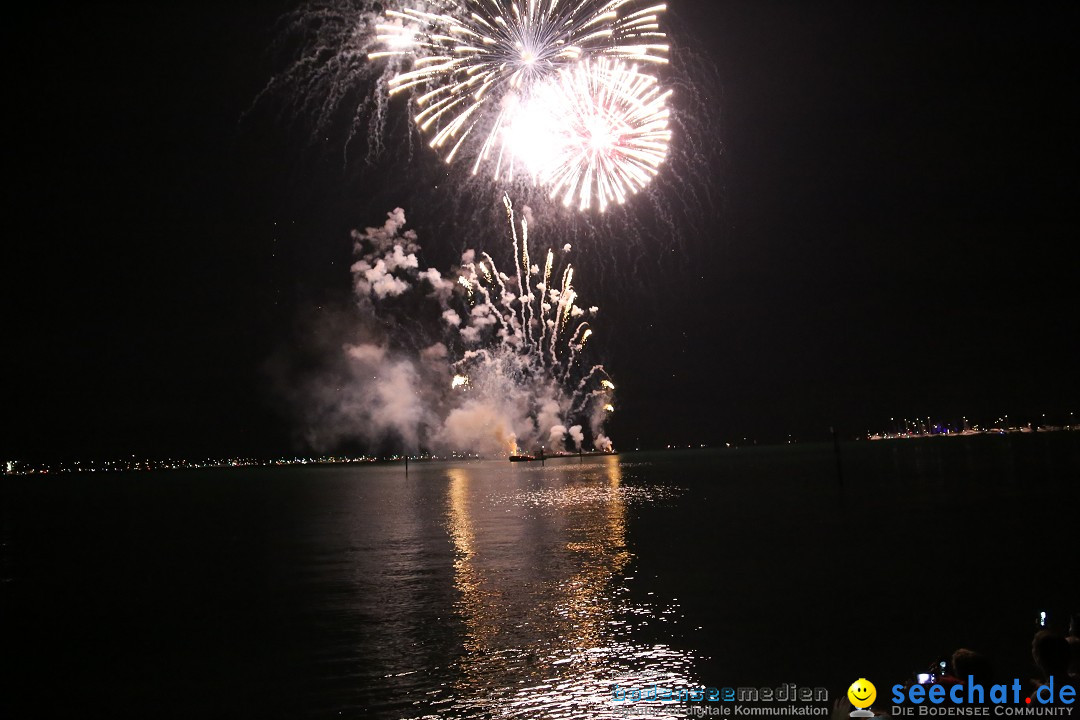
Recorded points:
509,81
598,132
581,128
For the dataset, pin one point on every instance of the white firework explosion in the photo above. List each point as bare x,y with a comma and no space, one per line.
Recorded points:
506,81
596,133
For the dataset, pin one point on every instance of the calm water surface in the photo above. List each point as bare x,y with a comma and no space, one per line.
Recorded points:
485,589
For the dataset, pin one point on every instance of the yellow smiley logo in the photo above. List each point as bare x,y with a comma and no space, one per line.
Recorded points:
862,693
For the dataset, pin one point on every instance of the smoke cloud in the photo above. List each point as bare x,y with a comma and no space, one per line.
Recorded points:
472,360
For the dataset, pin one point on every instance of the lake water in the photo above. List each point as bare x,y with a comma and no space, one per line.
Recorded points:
490,589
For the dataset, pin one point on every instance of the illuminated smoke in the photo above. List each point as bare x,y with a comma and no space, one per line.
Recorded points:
505,372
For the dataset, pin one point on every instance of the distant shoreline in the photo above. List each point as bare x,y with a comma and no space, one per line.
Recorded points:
974,433
16,469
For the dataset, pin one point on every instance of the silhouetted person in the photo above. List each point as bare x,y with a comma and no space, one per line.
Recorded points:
1074,657
1073,639
968,663
1050,652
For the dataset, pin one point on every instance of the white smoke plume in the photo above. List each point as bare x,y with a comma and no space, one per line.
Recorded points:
579,437
557,437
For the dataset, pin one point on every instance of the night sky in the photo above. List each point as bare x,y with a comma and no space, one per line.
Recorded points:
887,231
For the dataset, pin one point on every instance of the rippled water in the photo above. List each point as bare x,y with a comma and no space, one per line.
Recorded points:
490,589
524,611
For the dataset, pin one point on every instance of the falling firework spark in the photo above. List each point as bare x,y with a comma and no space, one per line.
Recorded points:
535,322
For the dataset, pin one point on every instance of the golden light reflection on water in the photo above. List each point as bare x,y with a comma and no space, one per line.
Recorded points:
541,566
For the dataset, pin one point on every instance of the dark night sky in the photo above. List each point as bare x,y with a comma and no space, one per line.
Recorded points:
890,234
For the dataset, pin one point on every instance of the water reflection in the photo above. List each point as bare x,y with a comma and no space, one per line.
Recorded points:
540,566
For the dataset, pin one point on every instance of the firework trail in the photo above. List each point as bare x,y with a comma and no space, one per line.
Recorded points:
502,372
